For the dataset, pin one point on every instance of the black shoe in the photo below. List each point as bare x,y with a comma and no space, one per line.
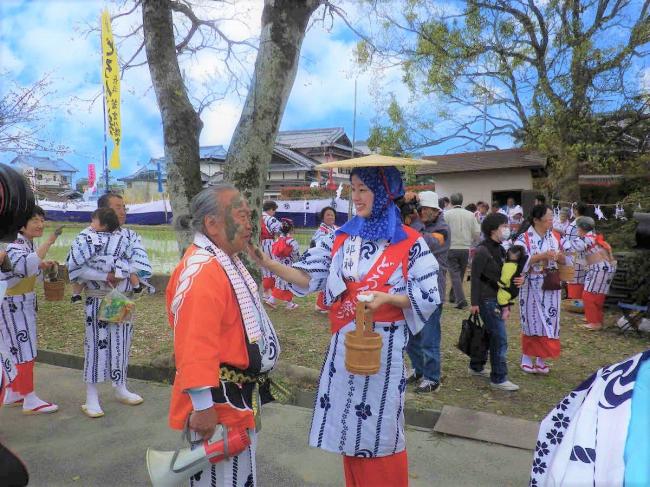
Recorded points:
75,298
413,378
461,305
428,386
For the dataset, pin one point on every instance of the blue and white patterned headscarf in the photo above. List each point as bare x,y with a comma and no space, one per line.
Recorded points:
385,221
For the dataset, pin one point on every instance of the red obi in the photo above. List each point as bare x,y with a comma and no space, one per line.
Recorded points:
343,310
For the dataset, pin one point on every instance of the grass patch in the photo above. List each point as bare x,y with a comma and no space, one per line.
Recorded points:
304,336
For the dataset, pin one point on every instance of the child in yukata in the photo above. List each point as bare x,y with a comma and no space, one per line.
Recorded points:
103,220
512,268
287,251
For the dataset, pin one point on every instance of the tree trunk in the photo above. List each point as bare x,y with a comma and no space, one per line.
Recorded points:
181,124
283,30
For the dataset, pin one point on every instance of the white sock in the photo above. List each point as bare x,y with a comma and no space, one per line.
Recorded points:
271,299
539,362
123,392
92,398
32,401
526,360
11,396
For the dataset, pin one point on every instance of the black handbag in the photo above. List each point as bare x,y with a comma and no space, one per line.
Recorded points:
474,339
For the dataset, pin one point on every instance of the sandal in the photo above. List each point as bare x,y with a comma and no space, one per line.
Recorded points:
46,408
90,413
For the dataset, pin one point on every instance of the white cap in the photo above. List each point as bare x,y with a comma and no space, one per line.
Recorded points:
429,199
516,210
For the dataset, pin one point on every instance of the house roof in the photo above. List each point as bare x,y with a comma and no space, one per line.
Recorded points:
293,156
43,163
304,139
484,160
213,152
144,174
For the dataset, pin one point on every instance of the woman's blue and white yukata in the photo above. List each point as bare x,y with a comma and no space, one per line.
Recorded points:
357,415
594,436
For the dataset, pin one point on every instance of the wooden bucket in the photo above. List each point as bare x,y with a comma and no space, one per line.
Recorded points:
567,272
54,290
363,346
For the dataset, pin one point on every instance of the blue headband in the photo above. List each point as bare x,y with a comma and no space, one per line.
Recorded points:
385,220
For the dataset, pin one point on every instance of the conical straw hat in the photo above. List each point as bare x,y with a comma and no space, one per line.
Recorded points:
374,160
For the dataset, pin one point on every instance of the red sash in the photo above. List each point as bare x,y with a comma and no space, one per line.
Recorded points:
344,308
265,234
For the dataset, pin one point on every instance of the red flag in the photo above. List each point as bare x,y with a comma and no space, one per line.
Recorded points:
91,175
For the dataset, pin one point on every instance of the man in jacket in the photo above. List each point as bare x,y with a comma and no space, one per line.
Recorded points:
424,348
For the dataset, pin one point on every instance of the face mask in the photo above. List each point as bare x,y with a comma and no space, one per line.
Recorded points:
505,234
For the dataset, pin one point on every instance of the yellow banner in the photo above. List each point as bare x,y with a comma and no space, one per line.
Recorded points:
111,80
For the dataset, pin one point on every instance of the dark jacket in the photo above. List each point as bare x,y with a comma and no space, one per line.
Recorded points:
439,251
486,270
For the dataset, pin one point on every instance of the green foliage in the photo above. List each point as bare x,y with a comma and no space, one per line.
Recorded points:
638,265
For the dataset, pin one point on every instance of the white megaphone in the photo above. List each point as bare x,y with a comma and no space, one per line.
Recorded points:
174,468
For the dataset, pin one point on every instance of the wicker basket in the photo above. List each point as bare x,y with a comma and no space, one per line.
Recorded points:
54,290
567,272
573,305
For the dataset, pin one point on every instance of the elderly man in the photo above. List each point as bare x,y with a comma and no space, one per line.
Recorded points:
224,342
465,231
424,348
95,259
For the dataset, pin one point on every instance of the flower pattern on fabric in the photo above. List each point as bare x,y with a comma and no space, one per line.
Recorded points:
325,402
102,344
561,421
363,410
555,436
541,448
539,466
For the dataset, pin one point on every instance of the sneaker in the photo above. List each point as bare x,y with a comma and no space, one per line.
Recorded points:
505,386
413,377
479,373
461,305
75,298
427,386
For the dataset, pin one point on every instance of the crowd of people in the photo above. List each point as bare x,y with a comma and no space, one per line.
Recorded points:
394,255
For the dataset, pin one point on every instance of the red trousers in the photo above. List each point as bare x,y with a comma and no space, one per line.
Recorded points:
24,381
282,295
268,283
593,307
574,291
390,471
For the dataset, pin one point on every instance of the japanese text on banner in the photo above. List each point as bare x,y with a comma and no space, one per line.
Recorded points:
111,80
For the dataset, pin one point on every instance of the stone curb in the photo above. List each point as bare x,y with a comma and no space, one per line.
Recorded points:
422,418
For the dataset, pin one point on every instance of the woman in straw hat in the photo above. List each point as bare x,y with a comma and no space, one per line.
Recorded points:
362,417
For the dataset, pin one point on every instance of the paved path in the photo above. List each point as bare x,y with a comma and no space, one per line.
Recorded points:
67,448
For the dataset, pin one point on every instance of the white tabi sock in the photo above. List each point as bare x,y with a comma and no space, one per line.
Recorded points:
121,392
527,360
32,401
92,399
539,362
12,396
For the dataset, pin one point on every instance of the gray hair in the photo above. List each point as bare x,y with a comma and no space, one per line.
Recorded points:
205,203
456,199
585,223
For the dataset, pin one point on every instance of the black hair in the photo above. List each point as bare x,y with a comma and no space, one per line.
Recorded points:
38,211
107,217
104,200
492,222
269,205
496,204
541,198
581,208
287,225
406,208
322,212
538,213
471,207
442,202
515,252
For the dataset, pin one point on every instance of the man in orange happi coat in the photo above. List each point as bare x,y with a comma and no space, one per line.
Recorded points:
224,342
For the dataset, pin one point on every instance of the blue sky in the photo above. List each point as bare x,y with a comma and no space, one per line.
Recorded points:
49,37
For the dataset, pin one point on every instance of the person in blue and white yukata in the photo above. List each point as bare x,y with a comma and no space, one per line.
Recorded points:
362,417
107,345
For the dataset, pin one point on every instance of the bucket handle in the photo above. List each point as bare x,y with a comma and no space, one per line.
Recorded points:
363,319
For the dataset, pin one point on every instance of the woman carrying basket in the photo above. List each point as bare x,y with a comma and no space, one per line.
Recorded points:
362,416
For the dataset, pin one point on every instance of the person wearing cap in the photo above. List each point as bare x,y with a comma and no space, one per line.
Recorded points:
601,268
424,348
465,231
561,225
515,217
374,255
